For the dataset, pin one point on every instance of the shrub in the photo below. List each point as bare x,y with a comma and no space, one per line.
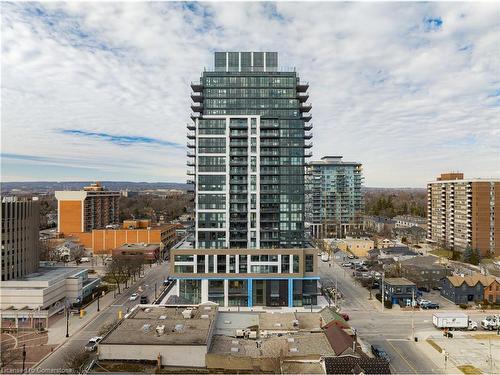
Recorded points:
463,306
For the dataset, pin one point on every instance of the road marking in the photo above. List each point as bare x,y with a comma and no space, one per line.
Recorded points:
117,305
404,359
398,340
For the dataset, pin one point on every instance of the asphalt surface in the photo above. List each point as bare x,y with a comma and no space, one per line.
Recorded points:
392,330
76,342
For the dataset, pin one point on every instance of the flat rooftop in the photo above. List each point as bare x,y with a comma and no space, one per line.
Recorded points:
290,345
46,274
399,281
140,327
139,246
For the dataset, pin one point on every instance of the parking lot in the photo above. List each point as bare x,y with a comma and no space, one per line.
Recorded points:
478,349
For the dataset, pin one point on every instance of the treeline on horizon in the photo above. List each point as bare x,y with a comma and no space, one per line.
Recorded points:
400,202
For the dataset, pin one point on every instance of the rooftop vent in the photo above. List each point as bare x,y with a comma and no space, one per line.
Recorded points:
294,350
204,316
208,308
277,324
146,327
290,339
227,322
235,342
235,350
187,314
162,317
160,329
179,327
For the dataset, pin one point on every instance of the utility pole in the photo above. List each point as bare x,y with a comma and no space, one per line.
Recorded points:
413,314
383,292
98,297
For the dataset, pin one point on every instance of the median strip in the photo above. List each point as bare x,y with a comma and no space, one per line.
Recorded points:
434,345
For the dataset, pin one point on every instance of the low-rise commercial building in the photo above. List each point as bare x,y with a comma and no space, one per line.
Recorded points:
168,335
149,252
399,290
49,288
356,246
103,241
470,289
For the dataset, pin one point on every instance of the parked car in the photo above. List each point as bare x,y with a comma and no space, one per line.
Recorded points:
429,306
84,259
133,296
378,352
144,299
92,344
423,301
346,264
345,316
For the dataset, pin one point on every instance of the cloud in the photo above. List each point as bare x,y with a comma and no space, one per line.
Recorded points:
408,88
121,140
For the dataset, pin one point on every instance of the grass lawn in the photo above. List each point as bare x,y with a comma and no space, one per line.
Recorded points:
469,369
442,253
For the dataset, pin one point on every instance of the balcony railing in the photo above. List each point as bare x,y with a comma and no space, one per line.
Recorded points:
191,126
195,115
301,86
308,126
191,135
302,96
197,97
197,86
197,107
191,154
190,172
304,107
191,144
306,117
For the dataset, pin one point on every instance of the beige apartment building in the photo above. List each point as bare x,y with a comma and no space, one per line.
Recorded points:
461,213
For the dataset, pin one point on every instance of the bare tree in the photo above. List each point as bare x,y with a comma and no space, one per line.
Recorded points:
48,250
77,254
76,360
103,257
115,270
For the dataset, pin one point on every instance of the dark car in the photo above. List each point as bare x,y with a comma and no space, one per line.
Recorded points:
144,299
430,306
378,352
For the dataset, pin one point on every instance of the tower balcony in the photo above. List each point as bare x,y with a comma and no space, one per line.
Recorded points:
190,172
191,126
308,135
197,86
190,163
197,107
301,86
191,144
305,107
308,126
190,181
306,117
308,154
197,97
195,115
191,154
191,135
302,96
308,144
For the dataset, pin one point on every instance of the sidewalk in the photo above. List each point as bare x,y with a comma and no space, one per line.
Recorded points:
57,331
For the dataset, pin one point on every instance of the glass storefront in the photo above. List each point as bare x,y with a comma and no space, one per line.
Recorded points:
190,290
238,293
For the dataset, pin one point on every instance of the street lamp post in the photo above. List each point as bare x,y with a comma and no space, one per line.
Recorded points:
98,297
67,321
24,356
155,289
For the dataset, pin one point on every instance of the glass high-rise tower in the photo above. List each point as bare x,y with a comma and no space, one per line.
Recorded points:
247,148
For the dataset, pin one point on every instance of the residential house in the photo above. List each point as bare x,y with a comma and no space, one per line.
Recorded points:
398,253
378,223
399,290
492,292
424,271
469,289
410,234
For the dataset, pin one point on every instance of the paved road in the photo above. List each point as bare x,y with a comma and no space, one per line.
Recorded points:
77,341
391,329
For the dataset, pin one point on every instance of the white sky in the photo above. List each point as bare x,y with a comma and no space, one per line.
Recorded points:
101,90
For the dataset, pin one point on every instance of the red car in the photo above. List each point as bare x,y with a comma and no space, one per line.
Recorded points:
345,316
